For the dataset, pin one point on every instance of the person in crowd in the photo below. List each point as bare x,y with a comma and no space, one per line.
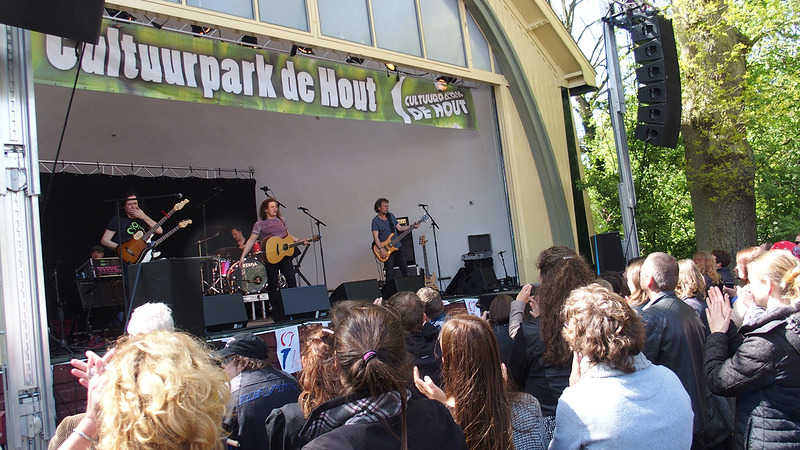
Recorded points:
540,358
383,224
708,267
722,259
375,408
691,288
162,390
760,365
270,224
617,281
616,398
131,221
318,384
256,388
498,317
434,307
637,297
97,252
674,335
476,392
421,336
744,307
150,317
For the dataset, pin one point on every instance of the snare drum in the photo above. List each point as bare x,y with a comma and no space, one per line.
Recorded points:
255,276
256,248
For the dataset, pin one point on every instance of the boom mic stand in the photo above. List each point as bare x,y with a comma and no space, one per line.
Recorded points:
434,226
321,250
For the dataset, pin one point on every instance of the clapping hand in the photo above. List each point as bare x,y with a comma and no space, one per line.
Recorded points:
718,312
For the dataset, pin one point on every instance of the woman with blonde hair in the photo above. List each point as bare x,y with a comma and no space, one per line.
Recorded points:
161,390
692,288
616,397
707,266
475,389
637,298
760,365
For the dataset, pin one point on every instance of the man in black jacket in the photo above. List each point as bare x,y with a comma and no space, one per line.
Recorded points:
675,335
421,336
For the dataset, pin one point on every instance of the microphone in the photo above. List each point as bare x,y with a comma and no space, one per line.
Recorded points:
178,195
264,188
302,209
422,205
501,252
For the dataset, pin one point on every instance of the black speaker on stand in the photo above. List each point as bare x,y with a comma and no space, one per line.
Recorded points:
400,284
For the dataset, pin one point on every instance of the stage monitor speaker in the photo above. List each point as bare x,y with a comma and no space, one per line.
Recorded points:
607,248
224,312
305,299
175,282
357,290
95,293
485,300
74,19
477,280
456,285
401,284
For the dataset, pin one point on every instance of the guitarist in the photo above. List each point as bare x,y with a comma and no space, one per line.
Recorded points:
383,225
132,220
270,224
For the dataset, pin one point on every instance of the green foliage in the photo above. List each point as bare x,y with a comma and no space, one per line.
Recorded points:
772,113
664,213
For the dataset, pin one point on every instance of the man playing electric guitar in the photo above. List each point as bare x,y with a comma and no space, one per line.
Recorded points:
132,220
271,223
384,224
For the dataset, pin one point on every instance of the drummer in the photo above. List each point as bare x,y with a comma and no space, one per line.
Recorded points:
270,224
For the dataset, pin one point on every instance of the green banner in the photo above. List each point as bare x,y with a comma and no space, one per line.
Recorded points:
146,61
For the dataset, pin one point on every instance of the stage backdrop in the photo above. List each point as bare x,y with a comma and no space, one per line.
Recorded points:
75,211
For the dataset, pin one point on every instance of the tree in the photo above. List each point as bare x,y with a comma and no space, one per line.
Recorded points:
720,164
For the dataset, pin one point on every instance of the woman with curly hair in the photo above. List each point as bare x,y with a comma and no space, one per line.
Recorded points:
475,390
317,383
161,390
375,408
760,364
616,398
540,358
707,266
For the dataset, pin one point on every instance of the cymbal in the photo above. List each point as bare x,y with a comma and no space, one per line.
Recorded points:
229,252
220,228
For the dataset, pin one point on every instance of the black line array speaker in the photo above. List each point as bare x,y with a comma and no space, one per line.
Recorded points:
400,284
357,290
223,312
74,19
175,282
659,93
305,299
608,256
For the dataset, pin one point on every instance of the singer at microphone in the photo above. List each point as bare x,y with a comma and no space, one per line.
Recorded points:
131,220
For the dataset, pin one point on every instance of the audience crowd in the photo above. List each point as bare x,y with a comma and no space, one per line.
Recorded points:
666,355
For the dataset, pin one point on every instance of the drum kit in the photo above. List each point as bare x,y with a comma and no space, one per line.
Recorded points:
228,277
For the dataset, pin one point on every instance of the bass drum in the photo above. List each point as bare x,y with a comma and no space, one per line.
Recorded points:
255,276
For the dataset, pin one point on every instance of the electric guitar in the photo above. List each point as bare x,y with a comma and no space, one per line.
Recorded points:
277,248
132,250
151,253
430,278
389,243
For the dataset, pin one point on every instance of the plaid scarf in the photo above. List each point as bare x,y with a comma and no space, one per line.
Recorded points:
358,411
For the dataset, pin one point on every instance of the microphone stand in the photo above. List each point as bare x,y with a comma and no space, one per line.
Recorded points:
321,251
434,226
209,196
503,260
267,193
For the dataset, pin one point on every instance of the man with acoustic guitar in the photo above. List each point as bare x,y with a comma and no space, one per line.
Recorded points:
133,220
383,225
270,224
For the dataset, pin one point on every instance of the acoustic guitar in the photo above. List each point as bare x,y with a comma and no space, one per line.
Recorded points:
389,243
132,250
277,248
430,277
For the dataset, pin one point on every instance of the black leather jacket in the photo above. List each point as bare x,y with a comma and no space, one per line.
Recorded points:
675,339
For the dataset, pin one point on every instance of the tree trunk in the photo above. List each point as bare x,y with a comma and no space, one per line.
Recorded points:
720,164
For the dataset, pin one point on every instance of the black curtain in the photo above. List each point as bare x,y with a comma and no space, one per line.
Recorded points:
79,209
